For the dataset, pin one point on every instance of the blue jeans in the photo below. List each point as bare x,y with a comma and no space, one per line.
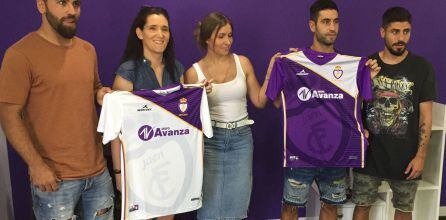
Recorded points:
227,180
331,183
88,195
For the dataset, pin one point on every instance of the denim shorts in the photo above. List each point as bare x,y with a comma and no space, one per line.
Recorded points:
227,180
331,183
95,194
365,191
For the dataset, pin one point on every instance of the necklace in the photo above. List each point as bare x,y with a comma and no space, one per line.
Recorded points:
226,70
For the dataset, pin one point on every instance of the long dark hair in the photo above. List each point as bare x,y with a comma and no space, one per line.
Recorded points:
134,49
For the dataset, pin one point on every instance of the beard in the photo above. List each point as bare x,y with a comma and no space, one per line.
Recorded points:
398,52
324,40
59,27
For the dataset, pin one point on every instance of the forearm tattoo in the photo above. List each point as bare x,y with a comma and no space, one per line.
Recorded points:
423,137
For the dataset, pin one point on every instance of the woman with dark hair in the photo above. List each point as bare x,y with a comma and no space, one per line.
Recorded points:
227,180
149,60
148,63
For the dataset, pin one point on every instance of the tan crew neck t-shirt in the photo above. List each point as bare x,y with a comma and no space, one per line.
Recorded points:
57,87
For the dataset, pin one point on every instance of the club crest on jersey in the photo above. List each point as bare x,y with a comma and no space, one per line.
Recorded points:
146,132
183,105
337,72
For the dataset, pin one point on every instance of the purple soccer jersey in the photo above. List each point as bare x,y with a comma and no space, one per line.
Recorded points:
161,132
321,99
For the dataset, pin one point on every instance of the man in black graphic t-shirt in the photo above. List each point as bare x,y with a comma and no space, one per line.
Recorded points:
399,120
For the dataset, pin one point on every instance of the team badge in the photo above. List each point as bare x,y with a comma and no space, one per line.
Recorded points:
337,72
183,105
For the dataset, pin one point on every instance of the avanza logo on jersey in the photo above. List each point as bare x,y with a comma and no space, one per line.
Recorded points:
306,94
146,132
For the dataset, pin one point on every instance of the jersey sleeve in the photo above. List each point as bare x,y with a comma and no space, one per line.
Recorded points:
275,84
205,116
110,121
364,80
428,90
15,78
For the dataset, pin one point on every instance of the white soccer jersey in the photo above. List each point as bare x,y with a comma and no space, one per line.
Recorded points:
161,132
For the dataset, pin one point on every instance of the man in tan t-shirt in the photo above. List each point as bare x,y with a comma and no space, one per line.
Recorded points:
48,85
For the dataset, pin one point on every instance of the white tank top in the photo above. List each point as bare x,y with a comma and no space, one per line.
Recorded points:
227,101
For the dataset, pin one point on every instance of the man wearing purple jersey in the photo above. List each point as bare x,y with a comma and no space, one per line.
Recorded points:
399,119
321,92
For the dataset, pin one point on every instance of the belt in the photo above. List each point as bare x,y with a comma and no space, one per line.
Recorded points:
232,125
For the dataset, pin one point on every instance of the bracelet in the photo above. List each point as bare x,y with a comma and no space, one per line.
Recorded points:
116,171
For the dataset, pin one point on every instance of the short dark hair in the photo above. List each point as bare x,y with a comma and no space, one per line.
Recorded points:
205,28
320,5
396,14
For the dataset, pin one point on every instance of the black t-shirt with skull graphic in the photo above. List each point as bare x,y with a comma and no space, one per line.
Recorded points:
392,117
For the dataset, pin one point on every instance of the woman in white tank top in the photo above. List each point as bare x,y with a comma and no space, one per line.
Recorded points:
227,179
